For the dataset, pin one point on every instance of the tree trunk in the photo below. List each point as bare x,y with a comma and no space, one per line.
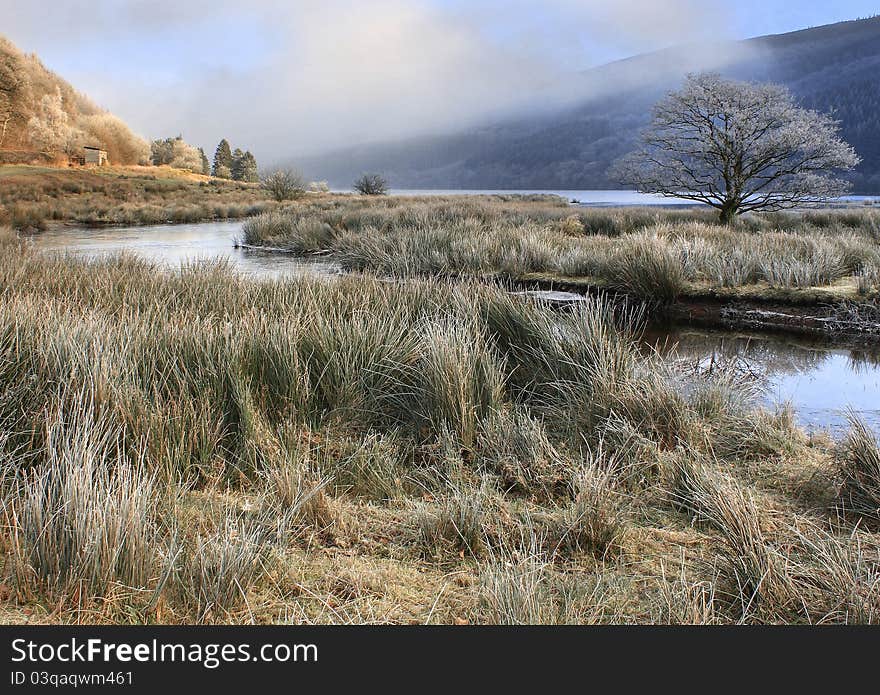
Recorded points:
728,213
3,132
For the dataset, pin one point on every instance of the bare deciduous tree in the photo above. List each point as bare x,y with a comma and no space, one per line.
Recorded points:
284,185
371,184
738,147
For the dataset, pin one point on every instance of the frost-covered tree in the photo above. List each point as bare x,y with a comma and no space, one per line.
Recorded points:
222,160
738,147
244,166
112,134
177,153
206,165
284,185
185,156
371,184
50,128
13,93
162,151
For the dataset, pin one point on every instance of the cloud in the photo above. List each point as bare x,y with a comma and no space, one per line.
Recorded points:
298,77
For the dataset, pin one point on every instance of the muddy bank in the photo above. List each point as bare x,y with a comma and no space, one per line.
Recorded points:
843,321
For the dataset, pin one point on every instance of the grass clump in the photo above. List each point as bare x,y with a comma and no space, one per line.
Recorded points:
83,520
858,467
214,572
645,266
455,522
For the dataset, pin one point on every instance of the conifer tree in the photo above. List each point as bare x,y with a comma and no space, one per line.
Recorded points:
246,168
206,165
222,160
237,154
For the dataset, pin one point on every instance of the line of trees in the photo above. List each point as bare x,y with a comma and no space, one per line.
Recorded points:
228,164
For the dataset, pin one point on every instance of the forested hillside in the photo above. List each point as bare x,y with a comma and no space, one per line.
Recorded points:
43,118
829,68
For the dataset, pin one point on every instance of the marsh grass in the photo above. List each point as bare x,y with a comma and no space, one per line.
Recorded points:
374,466
518,587
85,518
456,521
32,197
645,266
198,446
214,572
515,445
655,255
293,492
858,460
754,567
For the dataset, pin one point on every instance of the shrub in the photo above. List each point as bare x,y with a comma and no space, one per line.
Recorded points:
371,184
284,185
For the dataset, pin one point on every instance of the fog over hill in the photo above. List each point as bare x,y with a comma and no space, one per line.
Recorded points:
828,68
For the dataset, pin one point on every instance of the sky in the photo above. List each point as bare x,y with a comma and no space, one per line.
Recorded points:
284,77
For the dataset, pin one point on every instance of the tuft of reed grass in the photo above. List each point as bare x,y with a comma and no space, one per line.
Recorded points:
455,522
84,519
214,572
460,383
515,445
517,587
756,570
858,468
644,265
294,492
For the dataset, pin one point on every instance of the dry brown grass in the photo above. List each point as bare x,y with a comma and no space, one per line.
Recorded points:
33,197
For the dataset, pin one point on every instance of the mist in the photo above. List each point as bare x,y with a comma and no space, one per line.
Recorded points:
295,78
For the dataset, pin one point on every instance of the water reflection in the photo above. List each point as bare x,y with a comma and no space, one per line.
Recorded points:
820,382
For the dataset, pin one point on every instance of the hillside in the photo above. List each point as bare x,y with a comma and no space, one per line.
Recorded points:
44,119
831,67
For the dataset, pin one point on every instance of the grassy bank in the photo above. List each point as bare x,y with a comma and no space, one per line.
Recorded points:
33,197
653,254
198,447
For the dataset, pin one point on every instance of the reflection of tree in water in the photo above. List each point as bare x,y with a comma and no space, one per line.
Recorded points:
864,360
816,379
760,354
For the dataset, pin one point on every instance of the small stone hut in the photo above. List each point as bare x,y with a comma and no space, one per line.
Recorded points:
95,156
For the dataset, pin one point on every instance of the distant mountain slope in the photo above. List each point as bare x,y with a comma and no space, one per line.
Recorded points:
829,68
42,117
